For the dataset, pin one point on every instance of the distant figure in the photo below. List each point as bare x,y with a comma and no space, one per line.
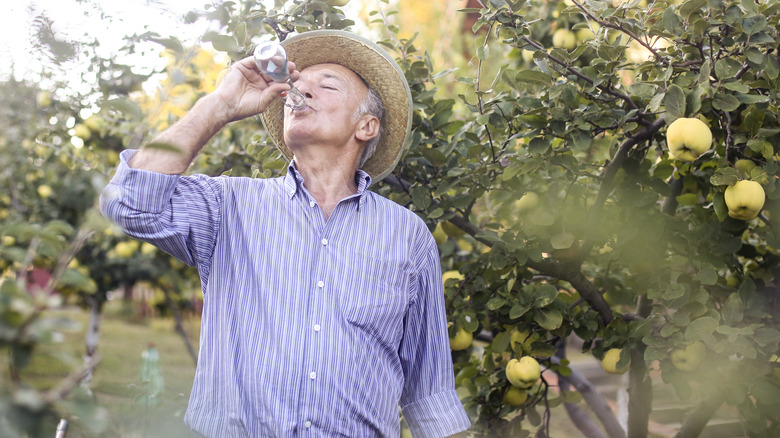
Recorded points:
151,376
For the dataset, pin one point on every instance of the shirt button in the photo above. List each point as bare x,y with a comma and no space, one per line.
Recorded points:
316,327
320,284
324,241
307,424
312,203
312,375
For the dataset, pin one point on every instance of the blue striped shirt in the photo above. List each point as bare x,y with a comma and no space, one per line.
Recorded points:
310,327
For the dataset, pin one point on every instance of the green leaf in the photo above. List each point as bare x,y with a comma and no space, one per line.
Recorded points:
548,319
538,145
688,199
173,43
691,6
736,86
518,310
581,139
225,43
755,57
754,24
726,68
483,52
732,309
533,77
704,73
708,275
469,321
495,303
76,280
125,106
767,336
725,176
673,291
693,99
501,342
725,102
752,98
772,67
674,100
541,217
672,22
562,241
700,328
421,197
545,295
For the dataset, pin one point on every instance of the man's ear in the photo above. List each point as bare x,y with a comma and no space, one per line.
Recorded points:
367,128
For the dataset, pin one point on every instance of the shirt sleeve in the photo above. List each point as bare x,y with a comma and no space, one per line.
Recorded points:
429,402
178,214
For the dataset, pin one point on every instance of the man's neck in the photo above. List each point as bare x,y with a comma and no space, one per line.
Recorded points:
328,180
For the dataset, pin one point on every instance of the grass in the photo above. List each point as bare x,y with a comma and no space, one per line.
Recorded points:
116,386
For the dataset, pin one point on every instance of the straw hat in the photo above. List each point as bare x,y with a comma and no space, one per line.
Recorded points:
371,63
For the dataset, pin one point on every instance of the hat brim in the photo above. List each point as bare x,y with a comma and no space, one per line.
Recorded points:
376,67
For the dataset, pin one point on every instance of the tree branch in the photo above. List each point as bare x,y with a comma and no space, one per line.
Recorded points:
595,401
608,175
572,70
68,383
697,419
632,35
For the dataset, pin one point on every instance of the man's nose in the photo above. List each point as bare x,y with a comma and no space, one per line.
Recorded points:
304,88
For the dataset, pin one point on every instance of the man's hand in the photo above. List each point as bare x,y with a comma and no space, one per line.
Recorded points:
244,91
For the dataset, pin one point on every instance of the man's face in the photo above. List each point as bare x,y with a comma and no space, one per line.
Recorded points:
333,93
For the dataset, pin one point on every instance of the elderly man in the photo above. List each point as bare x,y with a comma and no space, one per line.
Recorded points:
323,303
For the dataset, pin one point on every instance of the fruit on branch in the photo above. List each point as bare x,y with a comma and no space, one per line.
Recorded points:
745,199
451,229
565,39
515,396
744,166
610,361
527,202
439,235
690,357
462,340
451,274
688,138
523,373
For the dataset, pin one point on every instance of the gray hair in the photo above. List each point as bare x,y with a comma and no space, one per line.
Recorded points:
372,105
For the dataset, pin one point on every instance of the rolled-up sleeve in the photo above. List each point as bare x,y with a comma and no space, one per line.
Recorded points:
429,402
178,214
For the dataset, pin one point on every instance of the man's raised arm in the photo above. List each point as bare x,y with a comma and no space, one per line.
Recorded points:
242,93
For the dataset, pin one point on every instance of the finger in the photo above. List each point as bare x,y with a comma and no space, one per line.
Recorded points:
294,73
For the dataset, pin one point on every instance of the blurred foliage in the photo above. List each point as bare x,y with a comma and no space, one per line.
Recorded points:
545,173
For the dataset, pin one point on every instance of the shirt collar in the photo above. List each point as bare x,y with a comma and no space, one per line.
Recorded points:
293,180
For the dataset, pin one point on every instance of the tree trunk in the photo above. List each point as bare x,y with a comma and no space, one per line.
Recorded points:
595,402
640,387
640,390
92,338
127,292
179,326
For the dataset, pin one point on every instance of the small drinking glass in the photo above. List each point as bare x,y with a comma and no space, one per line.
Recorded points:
271,59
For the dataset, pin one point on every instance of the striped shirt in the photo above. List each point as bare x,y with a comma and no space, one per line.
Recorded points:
310,328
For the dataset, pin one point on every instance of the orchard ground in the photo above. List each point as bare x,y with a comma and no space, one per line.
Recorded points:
118,389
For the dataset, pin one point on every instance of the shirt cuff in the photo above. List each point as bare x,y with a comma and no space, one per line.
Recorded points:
438,415
141,190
